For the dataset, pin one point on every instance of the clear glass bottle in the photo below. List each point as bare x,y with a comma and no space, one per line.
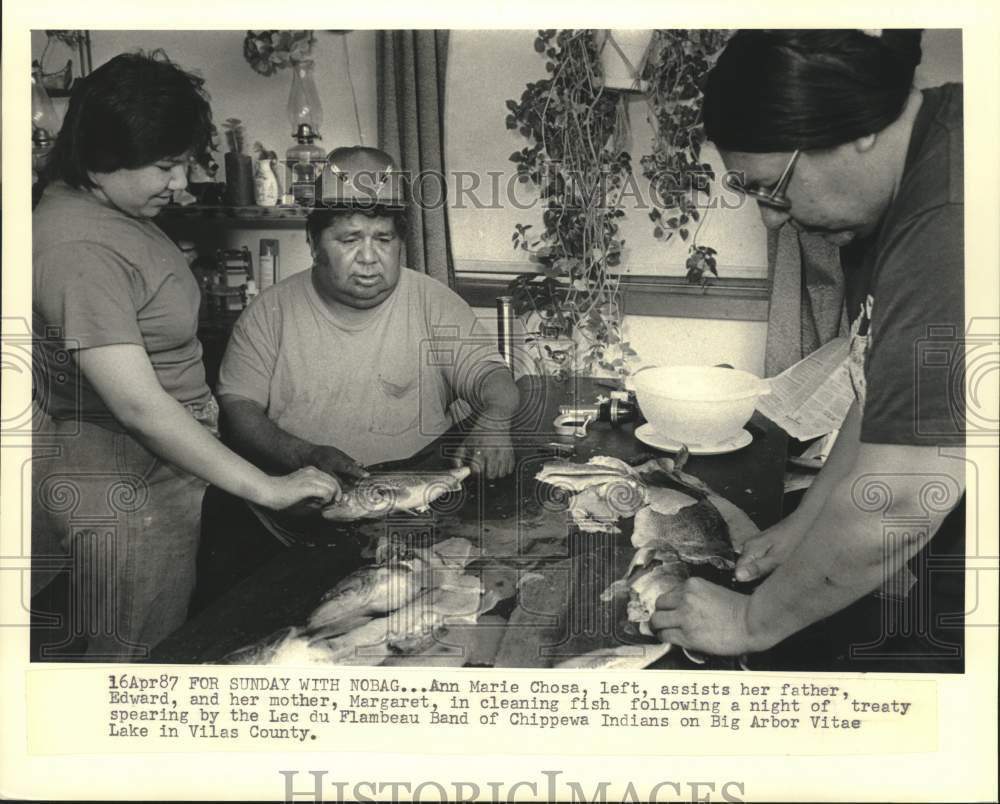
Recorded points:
304,167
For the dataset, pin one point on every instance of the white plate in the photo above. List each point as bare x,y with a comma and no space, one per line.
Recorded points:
647,435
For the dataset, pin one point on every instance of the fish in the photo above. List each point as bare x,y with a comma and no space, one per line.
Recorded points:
461,600
605,490
289,646
455,601
668,501
262,651
380,495
620,657
577,477
598,508
365,645
653,572
370,591
698,533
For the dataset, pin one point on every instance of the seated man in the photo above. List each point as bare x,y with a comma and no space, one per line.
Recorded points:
360,360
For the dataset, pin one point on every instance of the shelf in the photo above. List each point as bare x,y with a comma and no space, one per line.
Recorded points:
250,214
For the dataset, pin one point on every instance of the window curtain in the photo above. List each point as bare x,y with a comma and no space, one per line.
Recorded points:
411,83
807,297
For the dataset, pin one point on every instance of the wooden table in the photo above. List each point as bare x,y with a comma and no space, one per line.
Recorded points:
510,518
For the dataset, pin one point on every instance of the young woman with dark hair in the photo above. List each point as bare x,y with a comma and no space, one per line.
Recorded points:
824,130
125,437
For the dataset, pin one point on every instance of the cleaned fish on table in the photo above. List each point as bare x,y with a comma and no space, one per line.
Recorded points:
605,490
370,591
698,533
458,601
289,646
379,495
620,657
653,572
262,651
667,501
577,477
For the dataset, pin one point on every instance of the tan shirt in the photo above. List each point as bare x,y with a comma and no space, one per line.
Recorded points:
378,387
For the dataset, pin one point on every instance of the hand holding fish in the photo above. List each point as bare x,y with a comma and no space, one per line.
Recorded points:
764,553
308,483
332,461
703,616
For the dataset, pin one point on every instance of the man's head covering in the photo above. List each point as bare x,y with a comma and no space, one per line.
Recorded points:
359,177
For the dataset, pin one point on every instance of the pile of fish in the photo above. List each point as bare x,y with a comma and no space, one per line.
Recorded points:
391,607
380,495
679,523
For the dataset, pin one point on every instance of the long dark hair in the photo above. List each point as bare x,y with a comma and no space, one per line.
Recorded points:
131,112
775,91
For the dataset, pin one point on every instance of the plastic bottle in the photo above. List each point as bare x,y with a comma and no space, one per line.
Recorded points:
266,267
304,167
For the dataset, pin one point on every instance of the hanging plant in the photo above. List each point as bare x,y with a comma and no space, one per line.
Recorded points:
676,64
269,51
576,159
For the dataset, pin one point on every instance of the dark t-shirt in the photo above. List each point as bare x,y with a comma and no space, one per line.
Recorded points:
905,292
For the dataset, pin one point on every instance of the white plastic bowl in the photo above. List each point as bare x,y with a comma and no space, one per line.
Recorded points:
697,404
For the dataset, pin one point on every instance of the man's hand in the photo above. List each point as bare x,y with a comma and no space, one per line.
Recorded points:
488,451
702,616
334,462
766,551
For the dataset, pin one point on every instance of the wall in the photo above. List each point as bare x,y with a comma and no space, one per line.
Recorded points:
485,69
237,91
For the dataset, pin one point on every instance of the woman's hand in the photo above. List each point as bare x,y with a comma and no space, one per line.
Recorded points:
766,551
305,484
703,616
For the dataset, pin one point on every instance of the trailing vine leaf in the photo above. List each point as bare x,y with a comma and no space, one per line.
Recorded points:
676,64
575,156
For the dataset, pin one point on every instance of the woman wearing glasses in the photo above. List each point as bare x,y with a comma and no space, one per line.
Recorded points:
125,444
824,131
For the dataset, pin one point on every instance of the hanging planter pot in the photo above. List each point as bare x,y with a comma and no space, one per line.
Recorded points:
623,55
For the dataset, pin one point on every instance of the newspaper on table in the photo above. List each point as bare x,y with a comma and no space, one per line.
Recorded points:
811,398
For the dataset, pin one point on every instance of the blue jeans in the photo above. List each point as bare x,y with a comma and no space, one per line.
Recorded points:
125,526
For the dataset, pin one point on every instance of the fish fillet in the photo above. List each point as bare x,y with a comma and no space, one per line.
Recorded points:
653,572
577,477
598,508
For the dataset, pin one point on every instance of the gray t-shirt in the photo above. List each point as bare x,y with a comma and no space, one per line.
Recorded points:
377,386
100,277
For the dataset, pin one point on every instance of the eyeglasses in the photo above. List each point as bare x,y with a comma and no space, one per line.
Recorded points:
773,198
